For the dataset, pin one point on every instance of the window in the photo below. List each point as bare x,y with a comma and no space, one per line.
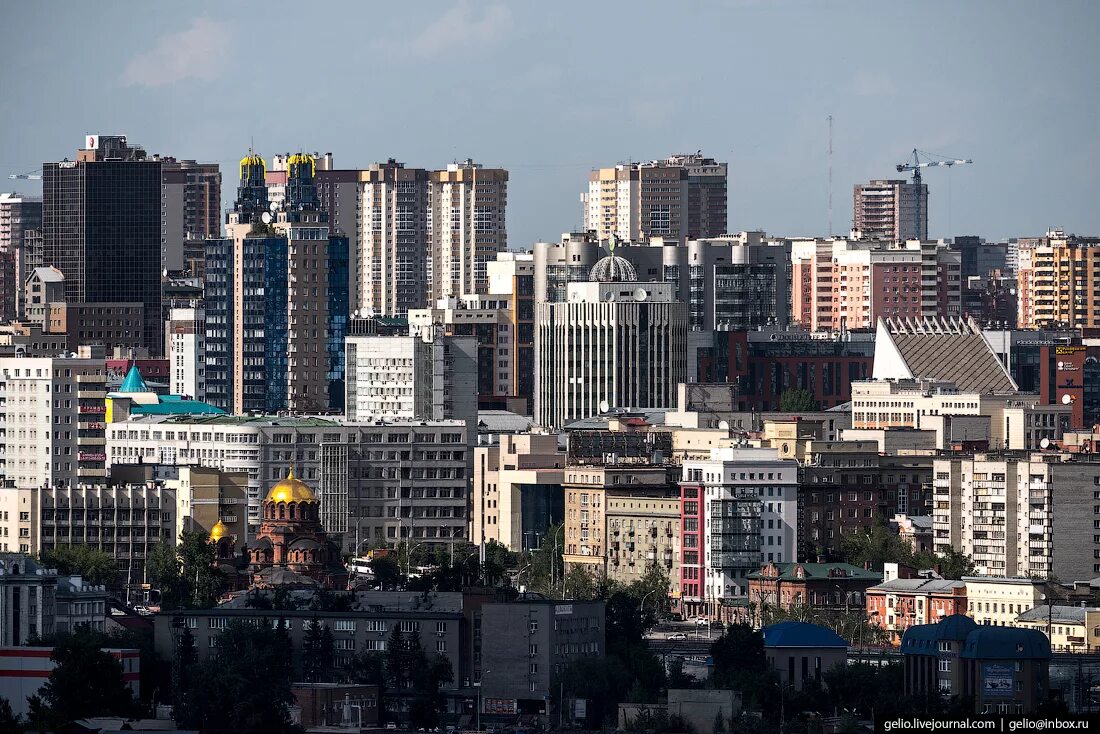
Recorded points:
441,646
344,625
410,626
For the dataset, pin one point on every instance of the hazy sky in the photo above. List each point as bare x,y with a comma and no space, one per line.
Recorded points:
552,89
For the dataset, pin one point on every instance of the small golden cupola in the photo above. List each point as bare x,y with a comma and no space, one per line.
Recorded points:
291,489
219,531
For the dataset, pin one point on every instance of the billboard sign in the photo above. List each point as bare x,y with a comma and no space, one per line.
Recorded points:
998,681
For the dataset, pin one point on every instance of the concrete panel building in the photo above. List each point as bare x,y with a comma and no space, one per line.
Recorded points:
430,376
52,413
1019,514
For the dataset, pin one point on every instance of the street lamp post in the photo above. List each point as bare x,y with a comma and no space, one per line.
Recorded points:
641,607
480,685
1049,599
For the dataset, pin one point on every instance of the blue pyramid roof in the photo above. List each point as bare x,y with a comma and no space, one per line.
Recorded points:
134,381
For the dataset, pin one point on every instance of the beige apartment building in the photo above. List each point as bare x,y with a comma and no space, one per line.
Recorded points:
680,197
52,412
1018,514
393,238
1059,282
620,520
849,284
466,227
517,492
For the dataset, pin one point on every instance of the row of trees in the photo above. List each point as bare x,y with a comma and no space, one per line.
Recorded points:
879,545
244,686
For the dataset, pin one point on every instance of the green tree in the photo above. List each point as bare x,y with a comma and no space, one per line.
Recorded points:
244,688
583,584
94,565
198,556
318,653
86,681
797,400
386,572
955,564
740,663
875,547
545,565
9,722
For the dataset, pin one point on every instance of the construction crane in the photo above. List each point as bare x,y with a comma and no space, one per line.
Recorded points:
915,164
28,176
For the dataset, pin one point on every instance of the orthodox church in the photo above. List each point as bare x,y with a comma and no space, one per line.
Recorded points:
291,547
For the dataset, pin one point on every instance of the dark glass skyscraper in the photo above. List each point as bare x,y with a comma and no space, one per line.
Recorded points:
101,226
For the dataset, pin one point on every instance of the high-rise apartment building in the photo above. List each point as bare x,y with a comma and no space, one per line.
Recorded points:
18,213
466,227
20,216
276,297
740,510
1017,514
849,284
1059,281
890,210
615,340
681,197
52,412
337,196
186,340
393,251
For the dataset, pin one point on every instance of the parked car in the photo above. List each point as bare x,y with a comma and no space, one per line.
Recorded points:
677,636
390,726
702,621
143,611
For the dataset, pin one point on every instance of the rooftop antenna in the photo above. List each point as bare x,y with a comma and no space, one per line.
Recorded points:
830,119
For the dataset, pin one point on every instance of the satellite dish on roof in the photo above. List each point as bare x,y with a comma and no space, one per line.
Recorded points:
604,406
640,294
1045,443
724,425
273,206
266,217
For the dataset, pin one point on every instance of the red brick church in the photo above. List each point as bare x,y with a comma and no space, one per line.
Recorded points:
291,547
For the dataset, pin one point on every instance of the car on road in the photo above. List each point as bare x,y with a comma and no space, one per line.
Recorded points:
702,621
391,726
677,636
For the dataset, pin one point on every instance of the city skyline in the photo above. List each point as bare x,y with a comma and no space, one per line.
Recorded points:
548,110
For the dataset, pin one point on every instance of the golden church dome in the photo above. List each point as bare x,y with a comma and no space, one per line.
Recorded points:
291,489
219,531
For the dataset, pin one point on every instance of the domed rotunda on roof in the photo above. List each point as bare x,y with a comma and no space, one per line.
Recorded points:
613,269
